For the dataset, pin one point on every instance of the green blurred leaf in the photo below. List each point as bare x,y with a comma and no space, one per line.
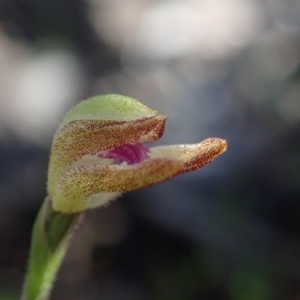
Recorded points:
250,282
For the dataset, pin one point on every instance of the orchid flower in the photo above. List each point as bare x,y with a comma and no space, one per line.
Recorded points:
100,151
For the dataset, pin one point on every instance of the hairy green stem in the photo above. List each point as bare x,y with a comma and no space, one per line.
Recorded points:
50,239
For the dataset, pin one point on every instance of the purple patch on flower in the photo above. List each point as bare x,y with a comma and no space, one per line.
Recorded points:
131,153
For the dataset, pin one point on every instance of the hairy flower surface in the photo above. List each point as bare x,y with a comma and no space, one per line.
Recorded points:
99,152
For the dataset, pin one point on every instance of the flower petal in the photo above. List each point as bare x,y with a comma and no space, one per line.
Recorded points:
78,135
193,156
102,199
77,185
109,107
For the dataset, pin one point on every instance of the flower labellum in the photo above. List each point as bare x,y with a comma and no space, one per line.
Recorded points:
99,152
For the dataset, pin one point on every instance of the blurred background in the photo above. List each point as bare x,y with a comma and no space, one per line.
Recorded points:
222,68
